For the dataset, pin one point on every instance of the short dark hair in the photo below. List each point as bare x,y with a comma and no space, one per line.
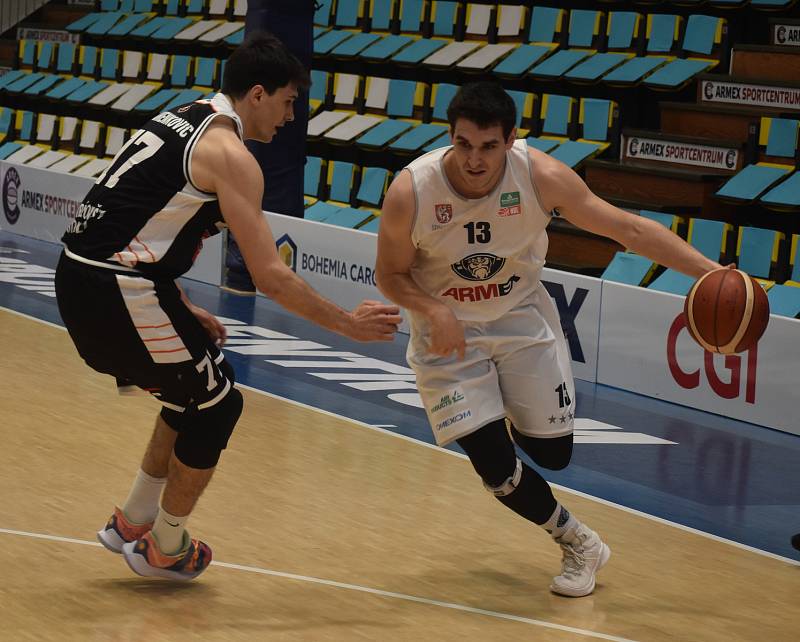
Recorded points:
485,104
263,60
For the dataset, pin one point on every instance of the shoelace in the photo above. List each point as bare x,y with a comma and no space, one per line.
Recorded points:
572,559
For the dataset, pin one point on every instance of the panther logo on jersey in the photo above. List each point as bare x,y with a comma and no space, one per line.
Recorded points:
478,267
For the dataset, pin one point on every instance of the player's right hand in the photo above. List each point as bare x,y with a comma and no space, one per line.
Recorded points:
446,333
374,321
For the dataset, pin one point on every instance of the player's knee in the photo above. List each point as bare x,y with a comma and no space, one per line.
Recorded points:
552,453
507,485
201,443
491,453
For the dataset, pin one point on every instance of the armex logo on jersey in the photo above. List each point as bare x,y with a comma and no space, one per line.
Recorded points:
11,183
482,292
287,250
478,267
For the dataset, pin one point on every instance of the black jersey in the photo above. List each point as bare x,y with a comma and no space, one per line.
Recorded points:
144,212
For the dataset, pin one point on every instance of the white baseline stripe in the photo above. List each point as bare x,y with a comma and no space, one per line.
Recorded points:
356,587
600,500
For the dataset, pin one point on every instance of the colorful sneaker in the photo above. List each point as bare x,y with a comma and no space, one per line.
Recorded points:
145,558
583,554
119,531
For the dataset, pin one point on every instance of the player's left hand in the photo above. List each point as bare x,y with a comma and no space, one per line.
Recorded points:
212,325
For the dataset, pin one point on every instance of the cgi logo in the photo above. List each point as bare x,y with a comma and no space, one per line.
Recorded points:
287,250
11,190
780,35
708,90
733,364
730,158
633,147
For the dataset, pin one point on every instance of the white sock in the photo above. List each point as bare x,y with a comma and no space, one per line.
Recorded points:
141,506
168,530
560,522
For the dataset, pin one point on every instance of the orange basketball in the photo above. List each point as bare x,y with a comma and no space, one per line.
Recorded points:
726,311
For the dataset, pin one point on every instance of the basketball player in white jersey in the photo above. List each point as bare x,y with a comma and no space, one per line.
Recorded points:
461,246
183,176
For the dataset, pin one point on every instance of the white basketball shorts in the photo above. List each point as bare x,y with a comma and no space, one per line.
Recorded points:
516,366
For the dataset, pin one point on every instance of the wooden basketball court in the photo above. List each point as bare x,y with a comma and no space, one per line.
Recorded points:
323,529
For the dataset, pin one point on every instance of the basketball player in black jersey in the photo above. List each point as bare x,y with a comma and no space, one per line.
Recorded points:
184,175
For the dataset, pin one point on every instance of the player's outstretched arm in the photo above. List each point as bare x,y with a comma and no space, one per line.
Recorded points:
563,190
222,164
393,269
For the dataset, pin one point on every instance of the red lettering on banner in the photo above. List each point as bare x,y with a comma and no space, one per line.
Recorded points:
686,380
733,363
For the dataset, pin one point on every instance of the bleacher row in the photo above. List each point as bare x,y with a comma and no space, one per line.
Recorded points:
204,21
765,254
618,47
126,81
409,117
61,143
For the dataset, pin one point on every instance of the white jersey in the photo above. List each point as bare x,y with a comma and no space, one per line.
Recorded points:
483,256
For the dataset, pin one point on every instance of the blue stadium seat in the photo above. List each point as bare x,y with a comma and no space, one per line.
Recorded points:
778,139
6,118
404,101
543,35
703,35
710,238
757,251
371,225
312,176
629,268
556,117
662,33
596,117
785,299
8,148
786,195
374,182
584,31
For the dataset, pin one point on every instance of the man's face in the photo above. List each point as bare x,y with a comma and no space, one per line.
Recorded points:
479,153
273,111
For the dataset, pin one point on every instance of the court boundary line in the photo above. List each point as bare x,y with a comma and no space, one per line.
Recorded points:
566,489
358,588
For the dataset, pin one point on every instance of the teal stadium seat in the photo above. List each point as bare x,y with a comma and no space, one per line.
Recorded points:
584,31
622,32
710,238
629,268
785,299
703,36
778,138
556,117
757,251
404,101
543,35
662,33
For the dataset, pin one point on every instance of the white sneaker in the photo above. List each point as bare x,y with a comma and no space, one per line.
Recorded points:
583,554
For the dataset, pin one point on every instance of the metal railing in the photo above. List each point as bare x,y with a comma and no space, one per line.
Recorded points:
13,12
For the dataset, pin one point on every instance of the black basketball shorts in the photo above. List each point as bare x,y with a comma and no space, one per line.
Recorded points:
139,331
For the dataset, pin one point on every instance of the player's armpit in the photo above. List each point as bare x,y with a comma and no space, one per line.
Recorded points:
395,248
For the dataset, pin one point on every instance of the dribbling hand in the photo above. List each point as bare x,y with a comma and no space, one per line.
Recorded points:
446,334
374,321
